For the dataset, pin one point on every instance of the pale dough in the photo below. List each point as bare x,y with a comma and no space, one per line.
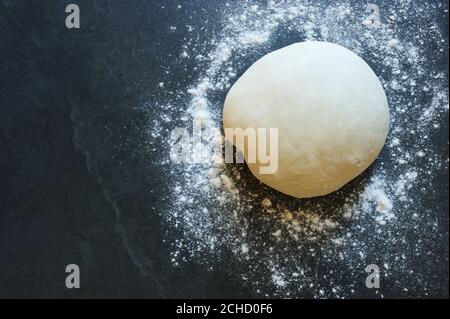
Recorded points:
329,107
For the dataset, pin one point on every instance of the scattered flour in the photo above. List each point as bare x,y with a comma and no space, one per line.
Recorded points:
278,242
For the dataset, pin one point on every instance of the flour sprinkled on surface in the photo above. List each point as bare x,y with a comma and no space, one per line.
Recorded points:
278,243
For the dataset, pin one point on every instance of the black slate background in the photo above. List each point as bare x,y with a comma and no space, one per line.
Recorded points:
65,94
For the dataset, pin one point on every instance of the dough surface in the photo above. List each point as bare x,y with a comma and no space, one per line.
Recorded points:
329,107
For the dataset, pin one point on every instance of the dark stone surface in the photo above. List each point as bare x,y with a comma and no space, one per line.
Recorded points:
53,210
63,96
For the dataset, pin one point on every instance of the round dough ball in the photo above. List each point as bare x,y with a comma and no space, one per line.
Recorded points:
329,107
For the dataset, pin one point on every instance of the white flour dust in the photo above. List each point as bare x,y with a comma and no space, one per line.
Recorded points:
278,244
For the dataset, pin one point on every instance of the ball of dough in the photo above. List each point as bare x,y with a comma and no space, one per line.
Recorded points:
329,107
